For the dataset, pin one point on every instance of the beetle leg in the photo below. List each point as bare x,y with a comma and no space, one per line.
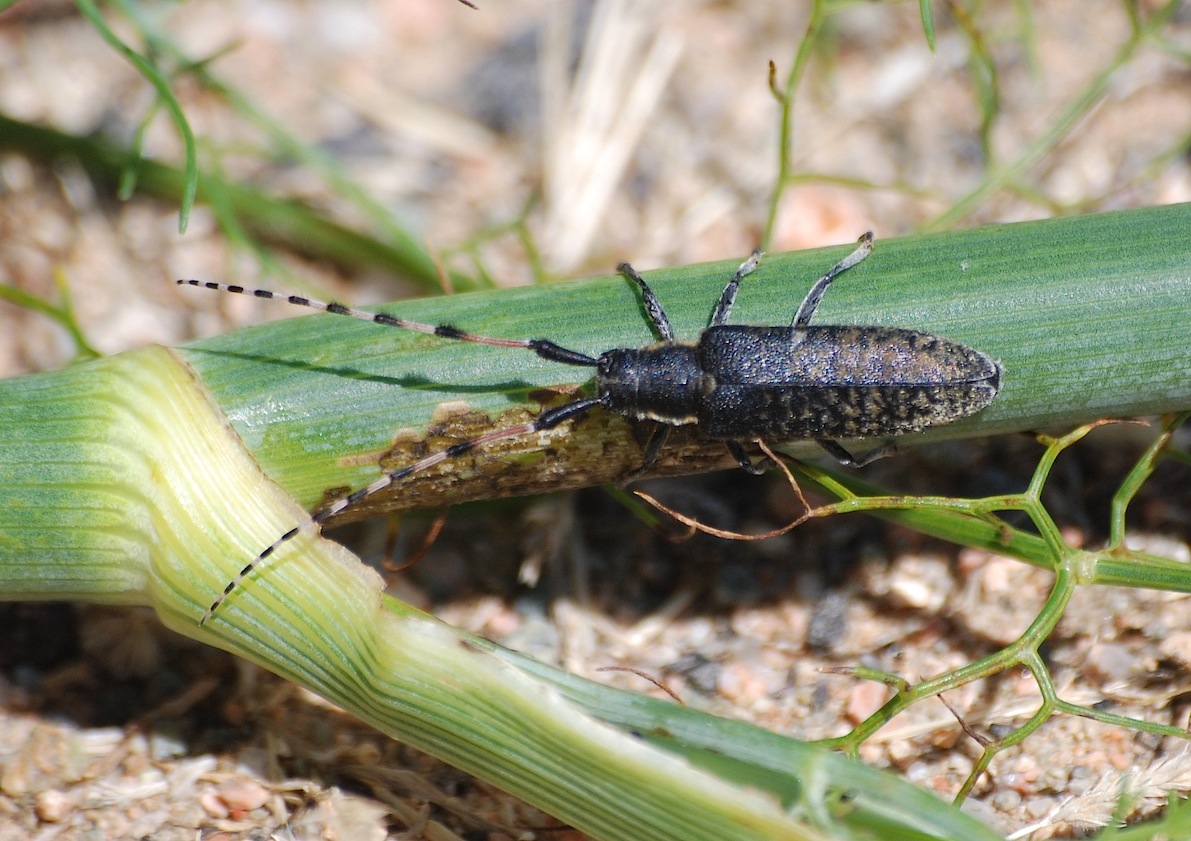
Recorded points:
744,460
848,460
728,297
810,303
653,307
657,440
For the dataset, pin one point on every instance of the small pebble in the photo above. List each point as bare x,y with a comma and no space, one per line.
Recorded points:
921,583
1037,808
1007,800
865,699
1111,663
1177,647
242,796
53,806
213,804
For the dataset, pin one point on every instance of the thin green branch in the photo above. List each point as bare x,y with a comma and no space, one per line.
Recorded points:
928,22
287,145
165,95
1142,32
982,70
288,223
62,313
785,97
1072,567
1140,474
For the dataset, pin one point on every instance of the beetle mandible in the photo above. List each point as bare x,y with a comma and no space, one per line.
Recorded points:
735,383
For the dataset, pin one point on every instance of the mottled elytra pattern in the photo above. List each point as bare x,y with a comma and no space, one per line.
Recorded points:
736,383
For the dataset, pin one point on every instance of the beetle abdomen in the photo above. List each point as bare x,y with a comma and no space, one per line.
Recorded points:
748,411
837,382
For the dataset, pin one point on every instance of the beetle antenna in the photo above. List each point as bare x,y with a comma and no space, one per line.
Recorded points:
546,420
542,347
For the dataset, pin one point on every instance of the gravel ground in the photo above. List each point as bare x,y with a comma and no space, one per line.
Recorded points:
661,150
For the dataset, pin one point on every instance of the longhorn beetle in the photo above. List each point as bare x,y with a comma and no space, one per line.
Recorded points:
735,383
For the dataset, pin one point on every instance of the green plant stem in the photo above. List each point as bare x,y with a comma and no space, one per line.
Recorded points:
1086,315
134,489
134,479
62,313
819,10
1071,566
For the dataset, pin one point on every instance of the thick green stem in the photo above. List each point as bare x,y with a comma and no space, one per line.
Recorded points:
135,479
1088,316
134,489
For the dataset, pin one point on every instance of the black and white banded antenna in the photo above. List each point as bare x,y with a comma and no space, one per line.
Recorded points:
548,419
